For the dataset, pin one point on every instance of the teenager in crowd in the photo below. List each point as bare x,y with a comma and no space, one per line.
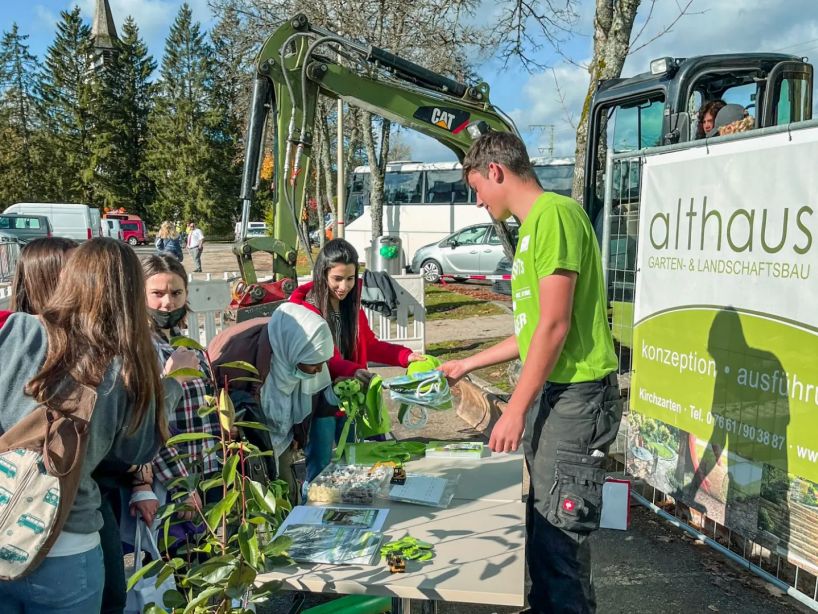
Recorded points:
37,273
301,344
92,332
166,293
335,294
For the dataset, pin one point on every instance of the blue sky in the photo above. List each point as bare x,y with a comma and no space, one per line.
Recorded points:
546,98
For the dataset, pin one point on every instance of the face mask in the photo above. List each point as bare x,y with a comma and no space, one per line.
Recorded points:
167,319
311,384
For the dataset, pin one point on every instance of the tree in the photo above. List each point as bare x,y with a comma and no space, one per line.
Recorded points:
123,99
231,95
19,82
186,137
613,24
66,112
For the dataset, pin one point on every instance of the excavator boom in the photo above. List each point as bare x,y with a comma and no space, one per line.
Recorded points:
296,65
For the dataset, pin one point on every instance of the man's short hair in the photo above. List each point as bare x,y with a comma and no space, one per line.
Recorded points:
504,148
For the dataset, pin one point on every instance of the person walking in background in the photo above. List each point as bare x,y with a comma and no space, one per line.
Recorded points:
195,245
168,241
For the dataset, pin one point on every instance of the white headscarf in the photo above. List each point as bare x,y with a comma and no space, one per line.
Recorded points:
297,335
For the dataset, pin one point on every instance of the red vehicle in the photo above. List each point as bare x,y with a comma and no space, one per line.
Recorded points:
133,228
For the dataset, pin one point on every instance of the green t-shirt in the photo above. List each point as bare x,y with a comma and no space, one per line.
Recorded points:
558,235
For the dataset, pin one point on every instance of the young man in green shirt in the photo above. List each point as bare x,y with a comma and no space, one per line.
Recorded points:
566,408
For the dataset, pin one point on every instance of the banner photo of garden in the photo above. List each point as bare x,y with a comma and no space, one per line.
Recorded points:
724,392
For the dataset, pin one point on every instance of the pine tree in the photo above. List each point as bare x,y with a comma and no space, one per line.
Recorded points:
19,75
66,112
122,100
232,87
184,157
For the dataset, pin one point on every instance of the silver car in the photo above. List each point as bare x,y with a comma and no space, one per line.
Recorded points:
474,250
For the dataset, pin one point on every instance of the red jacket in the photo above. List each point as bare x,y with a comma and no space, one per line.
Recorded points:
4,315
367,348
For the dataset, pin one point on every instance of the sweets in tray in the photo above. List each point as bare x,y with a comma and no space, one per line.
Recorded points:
354,484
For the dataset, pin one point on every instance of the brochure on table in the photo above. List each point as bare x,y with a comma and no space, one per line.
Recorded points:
334,534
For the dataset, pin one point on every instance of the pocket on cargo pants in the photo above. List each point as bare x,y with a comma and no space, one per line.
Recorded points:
608,417
576,494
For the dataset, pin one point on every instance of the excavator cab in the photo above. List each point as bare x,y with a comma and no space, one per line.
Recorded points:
661,108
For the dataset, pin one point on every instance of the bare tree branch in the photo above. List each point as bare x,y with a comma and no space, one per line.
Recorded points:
683,11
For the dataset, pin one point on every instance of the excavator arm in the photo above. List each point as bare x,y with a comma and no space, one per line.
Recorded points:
299,63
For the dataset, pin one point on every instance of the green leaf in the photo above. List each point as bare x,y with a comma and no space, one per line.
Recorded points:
252,425
248,544
279,545
202,598
257,492
227,412
186,342
212,571
239,364
211,483
229,470
172,599
205,410
167,572
241,580
154,609
147,571
214,516
246,379
186,373
183,437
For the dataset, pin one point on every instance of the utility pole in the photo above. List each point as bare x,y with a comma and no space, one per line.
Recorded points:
541,129
340,184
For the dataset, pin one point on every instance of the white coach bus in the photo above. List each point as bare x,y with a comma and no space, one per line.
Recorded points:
427,201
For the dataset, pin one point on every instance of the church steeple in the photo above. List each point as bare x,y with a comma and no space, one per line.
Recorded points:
103,33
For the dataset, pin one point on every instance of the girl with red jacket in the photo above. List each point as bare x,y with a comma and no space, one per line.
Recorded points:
335,293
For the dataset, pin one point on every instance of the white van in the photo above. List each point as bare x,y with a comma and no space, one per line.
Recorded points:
254,229
112,228
73,221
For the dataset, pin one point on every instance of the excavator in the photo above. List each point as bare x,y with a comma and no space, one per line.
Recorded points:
300,62
296,65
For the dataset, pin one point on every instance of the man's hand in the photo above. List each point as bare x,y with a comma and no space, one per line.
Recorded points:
455,370
507,433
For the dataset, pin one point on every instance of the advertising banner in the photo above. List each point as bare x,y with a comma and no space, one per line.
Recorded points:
724,395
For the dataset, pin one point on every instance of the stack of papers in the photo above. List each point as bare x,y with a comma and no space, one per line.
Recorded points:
334,534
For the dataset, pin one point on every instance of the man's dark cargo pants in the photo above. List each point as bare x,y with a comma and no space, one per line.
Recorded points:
567,435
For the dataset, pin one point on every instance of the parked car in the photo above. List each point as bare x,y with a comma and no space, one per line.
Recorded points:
133,228
9,255
502,286
73,221
474,250
25,227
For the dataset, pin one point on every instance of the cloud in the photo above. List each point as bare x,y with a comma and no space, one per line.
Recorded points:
154,17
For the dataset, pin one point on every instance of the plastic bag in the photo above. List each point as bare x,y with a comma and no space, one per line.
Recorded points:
145,590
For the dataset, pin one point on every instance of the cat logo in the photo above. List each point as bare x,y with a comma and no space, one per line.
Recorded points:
442,118
450,119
